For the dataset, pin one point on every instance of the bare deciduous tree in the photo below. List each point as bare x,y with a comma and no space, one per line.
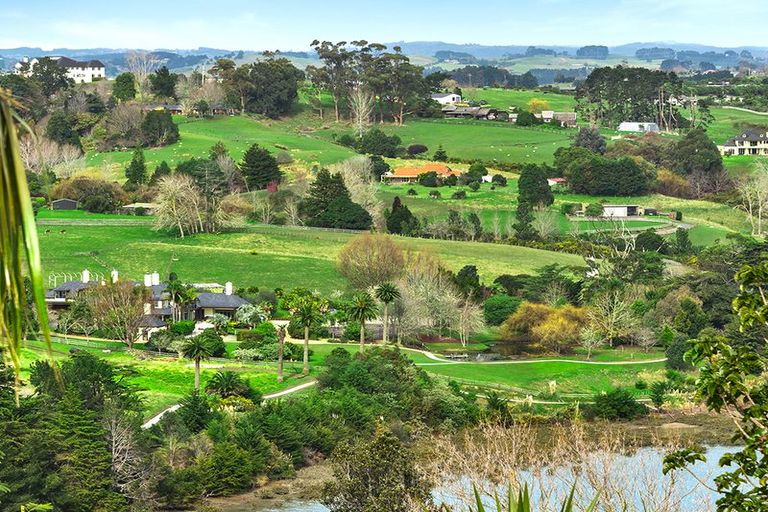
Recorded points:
545,223
179,205
41,154
469,319
361,104
142,64
118,308
754,197
610,315
369,260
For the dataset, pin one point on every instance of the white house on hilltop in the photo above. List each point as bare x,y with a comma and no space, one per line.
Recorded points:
81,72
447,98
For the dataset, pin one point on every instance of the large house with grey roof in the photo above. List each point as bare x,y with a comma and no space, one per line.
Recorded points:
81,72
748,142
212,298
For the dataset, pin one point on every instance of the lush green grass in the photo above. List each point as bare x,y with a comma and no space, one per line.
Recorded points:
500,204
163,381
46,214
485,140
502,99
263,256
727,121
534,378
236,132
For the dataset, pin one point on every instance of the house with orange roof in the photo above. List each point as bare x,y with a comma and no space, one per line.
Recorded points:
411,174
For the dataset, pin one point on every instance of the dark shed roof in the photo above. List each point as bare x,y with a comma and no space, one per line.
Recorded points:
220,301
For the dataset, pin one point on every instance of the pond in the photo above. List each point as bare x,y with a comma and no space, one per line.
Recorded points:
687,496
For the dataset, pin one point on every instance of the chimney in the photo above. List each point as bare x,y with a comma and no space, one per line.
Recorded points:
115,276
147,308
155,279
86,276
228,288
147,280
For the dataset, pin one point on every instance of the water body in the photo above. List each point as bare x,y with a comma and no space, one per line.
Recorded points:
693,496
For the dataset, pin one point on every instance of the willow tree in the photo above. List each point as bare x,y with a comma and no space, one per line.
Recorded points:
19,249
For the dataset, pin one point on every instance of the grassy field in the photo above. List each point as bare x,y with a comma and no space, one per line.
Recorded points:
485,140
534,378
164,381
495,204
502,99
264,256
237,133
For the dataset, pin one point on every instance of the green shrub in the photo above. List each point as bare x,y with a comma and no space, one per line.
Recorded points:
675,352
474,186
641,385
497,308
499,180
315,333
183,327
570,208
459,194
594,210
618,404
352,332
412,192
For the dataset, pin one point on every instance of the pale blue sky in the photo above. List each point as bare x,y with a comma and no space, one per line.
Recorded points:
292,24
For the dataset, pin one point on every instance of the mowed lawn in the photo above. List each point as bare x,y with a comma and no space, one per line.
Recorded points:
236,132
164,381
534,378
264,256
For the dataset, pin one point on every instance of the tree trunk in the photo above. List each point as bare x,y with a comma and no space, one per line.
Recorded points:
386,323
197,374
280,350
306,350
336,107
362,337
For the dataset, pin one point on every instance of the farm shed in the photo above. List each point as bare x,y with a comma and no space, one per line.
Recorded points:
620,210
64,204
639,127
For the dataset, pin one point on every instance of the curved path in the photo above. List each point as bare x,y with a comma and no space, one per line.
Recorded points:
742,109
441,361
156,419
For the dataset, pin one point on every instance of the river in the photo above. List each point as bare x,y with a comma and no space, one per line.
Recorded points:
690,496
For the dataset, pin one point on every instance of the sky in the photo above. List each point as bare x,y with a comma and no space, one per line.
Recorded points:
293,24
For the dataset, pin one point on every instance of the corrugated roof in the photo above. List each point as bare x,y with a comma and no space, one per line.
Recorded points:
410,172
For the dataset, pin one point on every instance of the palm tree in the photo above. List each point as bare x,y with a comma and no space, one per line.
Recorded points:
306,312
176,291
280,352
360,309
19,248
198,348
227,384
387,293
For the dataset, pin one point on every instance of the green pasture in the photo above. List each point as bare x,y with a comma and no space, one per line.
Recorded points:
263,256
502,99
236,132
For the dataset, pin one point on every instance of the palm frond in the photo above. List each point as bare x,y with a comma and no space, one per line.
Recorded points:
19,249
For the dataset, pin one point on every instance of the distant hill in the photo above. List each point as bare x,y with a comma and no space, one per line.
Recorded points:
630,49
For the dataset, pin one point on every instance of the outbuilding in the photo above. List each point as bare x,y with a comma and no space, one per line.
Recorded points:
64,204
621,210
639,127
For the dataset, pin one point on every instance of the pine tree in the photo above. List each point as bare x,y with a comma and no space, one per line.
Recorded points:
136,172
400,220
440,155
533,188
524,227
260,168
161,170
